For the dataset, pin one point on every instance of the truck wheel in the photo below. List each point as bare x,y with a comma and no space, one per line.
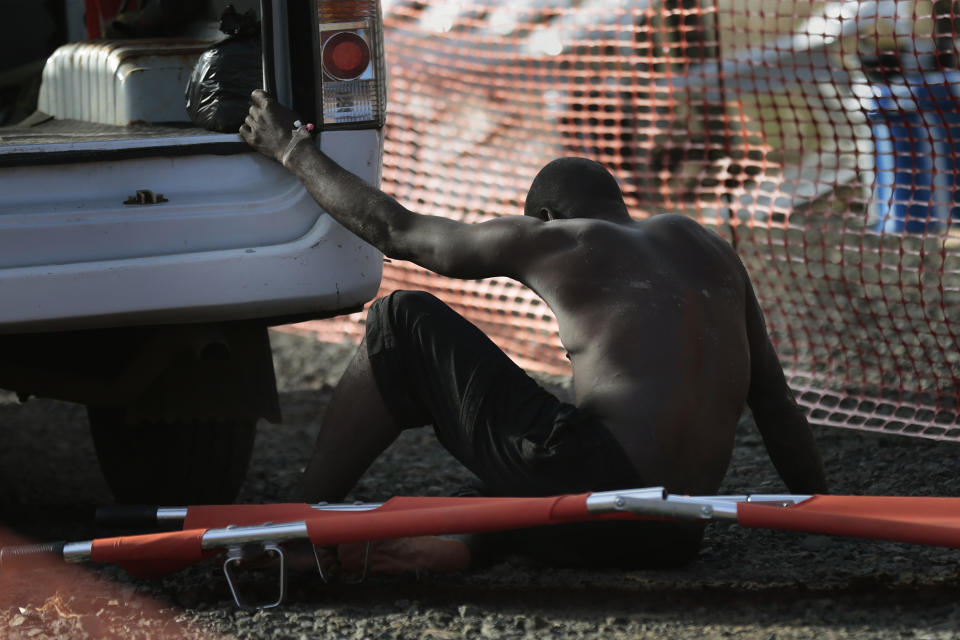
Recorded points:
173,463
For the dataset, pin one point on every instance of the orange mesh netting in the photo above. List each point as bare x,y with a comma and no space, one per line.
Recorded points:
819,138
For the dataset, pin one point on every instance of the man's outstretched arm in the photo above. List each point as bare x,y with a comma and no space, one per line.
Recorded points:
782,423
499,247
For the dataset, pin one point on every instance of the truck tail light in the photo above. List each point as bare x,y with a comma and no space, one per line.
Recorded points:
349,46
345,56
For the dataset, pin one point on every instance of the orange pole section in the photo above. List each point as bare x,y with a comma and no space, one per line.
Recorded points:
151,555
217,516
917,520
468,517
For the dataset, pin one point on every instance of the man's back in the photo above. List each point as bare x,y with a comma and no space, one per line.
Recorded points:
653,317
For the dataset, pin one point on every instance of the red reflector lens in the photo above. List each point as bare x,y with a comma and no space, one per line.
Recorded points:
345,55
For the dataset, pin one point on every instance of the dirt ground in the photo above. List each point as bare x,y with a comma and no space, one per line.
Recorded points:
746,583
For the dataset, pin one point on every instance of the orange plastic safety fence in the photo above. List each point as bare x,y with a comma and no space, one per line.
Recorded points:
820,138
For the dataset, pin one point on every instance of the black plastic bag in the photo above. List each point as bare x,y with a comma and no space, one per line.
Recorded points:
218,92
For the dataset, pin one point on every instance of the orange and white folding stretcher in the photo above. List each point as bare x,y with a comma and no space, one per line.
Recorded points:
241,532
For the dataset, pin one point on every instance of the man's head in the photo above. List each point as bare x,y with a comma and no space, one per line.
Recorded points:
575,188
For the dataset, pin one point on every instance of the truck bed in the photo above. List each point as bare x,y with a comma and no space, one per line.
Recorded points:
53,131
62,141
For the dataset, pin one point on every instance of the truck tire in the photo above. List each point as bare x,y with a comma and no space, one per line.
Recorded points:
172,463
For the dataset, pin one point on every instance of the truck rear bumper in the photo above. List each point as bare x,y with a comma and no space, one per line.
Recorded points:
325,271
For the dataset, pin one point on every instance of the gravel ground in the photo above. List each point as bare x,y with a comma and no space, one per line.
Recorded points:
748,583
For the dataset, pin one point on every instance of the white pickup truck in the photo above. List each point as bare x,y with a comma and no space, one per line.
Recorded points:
142,259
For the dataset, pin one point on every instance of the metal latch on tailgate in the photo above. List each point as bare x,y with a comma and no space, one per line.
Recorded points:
145,196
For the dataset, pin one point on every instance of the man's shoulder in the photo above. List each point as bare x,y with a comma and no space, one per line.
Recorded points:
684,228
672,221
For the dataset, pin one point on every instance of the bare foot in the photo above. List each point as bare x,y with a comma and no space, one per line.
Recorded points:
402,555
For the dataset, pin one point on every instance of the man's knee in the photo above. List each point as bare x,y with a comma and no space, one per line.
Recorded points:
417,300
406,307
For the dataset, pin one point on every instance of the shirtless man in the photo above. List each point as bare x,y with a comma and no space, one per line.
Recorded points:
658,317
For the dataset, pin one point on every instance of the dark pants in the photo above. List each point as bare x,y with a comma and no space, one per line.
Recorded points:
433,367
